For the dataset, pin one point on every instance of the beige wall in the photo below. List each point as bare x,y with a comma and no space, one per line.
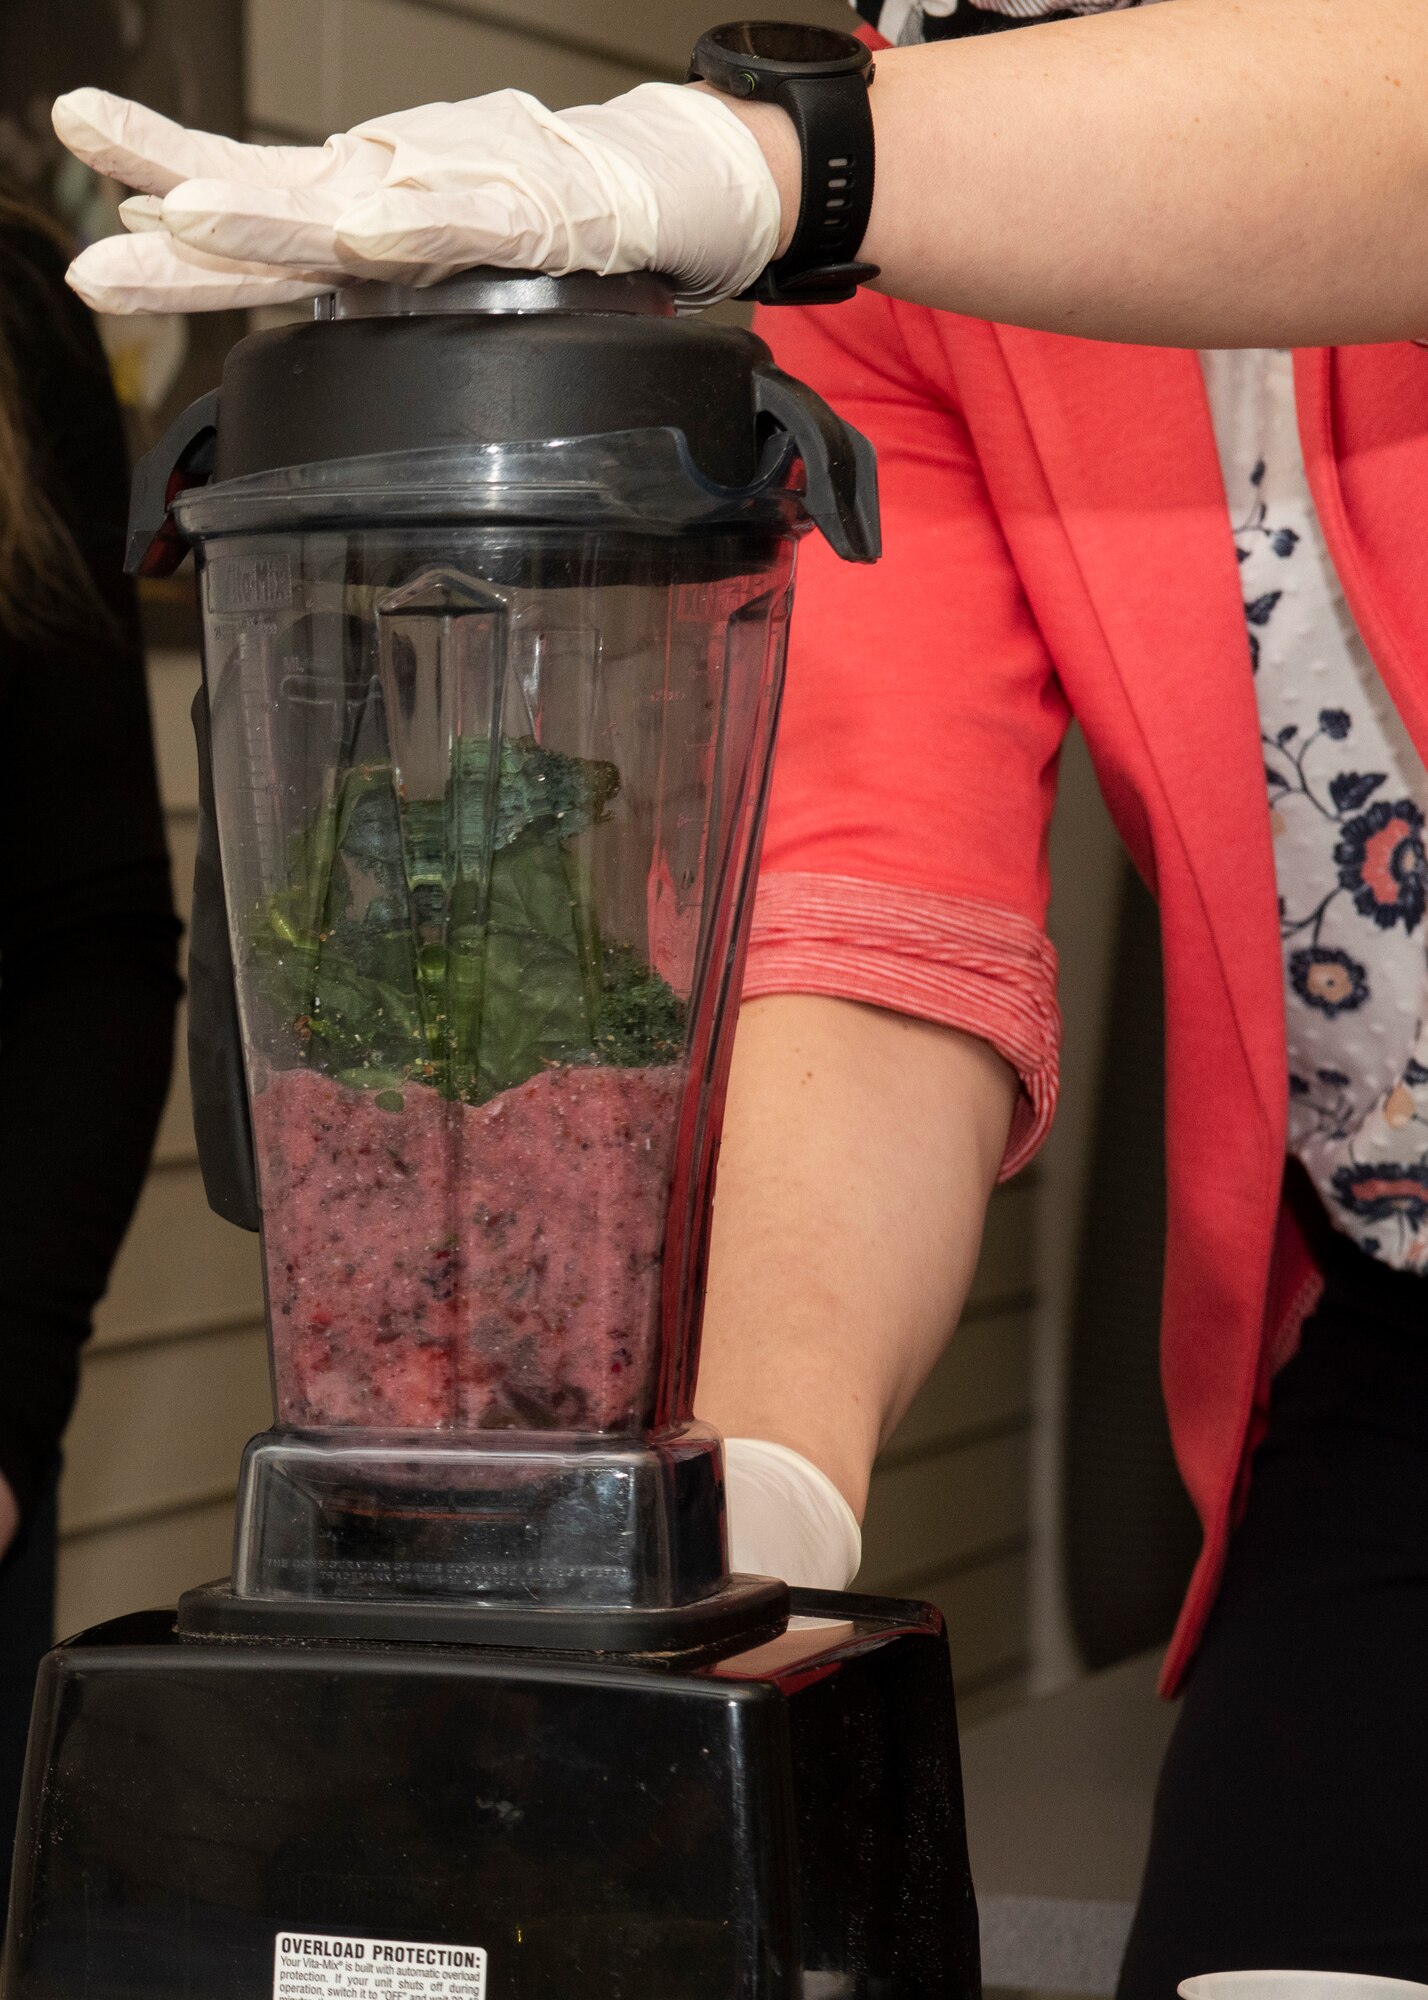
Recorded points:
177,1377
315,66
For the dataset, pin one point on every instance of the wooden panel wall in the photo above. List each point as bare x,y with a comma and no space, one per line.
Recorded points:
177,1377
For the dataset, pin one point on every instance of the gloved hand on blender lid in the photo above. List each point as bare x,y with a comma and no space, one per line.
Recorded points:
664,178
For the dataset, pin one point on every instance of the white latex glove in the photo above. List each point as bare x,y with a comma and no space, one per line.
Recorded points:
662,179
787,1519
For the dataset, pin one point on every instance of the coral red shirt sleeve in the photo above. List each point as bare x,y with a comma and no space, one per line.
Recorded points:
905,860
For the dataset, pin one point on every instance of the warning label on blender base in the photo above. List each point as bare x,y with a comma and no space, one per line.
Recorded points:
308,1966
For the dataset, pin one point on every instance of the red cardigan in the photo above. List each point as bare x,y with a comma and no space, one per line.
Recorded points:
1057,545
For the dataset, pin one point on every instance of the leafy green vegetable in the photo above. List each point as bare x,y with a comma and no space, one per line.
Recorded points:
453,940
640,1019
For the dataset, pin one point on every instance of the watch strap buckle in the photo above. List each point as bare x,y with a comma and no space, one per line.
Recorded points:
824,285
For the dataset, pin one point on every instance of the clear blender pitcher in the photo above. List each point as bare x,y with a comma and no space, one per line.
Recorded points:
492,667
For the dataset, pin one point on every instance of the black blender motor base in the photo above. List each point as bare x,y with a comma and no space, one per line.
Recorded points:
219,1820
743,1611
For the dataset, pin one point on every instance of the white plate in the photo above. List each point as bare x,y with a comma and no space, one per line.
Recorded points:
1298,1986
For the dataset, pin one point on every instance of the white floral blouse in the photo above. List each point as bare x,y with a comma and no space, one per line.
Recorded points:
1347,792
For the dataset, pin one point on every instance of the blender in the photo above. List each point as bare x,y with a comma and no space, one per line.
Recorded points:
495,580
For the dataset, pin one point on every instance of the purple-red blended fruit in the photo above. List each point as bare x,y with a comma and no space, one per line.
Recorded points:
443,1266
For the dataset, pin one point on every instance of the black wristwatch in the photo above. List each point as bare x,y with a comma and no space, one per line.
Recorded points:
821,79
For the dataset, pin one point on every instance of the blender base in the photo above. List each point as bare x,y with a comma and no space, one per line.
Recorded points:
211,1820
743,1611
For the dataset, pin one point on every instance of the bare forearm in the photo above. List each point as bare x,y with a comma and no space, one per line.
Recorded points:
859,1151
1204,173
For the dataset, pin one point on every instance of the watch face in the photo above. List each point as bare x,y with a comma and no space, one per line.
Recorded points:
780,42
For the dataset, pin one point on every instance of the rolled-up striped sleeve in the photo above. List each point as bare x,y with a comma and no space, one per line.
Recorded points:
905,858
963,964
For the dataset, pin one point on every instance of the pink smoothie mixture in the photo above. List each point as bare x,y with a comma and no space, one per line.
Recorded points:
455,1267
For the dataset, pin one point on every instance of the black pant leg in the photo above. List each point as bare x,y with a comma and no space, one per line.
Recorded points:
1291,1821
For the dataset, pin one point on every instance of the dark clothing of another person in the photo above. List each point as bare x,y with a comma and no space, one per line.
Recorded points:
88,941
27,1596
1290,1826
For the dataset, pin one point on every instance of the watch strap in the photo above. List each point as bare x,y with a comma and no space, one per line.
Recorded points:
834,122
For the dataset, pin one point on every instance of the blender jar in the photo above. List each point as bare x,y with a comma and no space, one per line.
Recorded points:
485,799
490,725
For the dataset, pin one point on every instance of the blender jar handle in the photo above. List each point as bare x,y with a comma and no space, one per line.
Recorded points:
221,1121
840,463
183,457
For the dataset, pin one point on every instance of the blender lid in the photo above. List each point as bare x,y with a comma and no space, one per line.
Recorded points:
488,289
544,399
640,480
